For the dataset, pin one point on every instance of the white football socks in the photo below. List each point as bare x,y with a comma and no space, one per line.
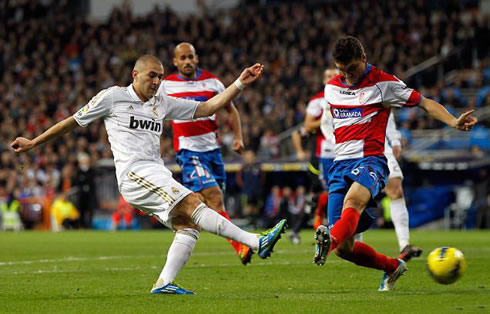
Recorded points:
399,216
178,254
211,221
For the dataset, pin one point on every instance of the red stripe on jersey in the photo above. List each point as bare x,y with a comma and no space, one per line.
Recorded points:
374,144
207,94
203,75
355,132
192,128
206,75
319,95
414,99
363,131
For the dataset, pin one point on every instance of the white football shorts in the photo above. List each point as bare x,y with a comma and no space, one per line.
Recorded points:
149,186
395,170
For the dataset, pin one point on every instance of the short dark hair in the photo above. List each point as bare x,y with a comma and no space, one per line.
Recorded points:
347,49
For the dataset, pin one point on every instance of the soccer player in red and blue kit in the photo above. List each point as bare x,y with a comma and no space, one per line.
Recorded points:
196,142
360,100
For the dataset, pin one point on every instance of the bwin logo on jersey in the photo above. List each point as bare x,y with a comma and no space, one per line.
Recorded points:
144,124
347,113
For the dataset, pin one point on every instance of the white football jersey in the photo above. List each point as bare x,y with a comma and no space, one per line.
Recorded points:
134,127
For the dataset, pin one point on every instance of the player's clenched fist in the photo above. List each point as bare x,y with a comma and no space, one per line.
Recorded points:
21,144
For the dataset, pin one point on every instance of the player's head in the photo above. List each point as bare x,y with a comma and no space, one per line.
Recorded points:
147,76
329,74
186,60
349,57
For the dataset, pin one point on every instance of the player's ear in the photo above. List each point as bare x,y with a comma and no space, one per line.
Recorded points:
197,59
134,74
363,58
175,62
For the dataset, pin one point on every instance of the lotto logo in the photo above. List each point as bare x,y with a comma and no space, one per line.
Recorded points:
346,113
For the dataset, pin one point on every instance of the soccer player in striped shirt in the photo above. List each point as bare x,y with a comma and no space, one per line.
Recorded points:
196,142
360,100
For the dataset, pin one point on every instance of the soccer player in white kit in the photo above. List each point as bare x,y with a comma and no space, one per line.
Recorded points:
394,191
134,117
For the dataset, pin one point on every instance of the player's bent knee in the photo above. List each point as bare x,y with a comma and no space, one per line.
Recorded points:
343,252
186,206
394,188
201,197
394,192
181,223
355,203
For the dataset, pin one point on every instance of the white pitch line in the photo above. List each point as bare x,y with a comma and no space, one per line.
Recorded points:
105,258
124,269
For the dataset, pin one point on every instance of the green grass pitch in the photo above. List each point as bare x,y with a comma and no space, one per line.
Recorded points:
112,272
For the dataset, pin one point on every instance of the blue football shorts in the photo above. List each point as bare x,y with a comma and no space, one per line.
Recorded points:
370,172
325,164
202,170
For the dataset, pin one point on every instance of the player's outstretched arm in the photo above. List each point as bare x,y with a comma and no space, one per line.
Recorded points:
248,76
464,122
22,144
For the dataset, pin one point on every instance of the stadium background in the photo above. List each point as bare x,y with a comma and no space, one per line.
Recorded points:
55,55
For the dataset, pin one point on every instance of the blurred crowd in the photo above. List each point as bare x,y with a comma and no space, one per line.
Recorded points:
53,60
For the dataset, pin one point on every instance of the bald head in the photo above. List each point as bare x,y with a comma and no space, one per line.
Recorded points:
147,76
184,47
144,61
186,60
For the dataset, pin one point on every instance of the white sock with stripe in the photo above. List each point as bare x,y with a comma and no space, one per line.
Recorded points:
399,216
211,221
178,254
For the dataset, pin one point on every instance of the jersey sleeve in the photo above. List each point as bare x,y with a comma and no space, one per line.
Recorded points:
314,107
394,136
99,106
179,108
326,124
397,94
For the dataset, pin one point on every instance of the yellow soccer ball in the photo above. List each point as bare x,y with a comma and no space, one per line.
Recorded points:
446,264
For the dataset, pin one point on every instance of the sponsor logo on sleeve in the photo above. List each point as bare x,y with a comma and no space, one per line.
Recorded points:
83,110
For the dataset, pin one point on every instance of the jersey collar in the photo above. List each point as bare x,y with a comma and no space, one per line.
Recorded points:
366,72
198,74
133,94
